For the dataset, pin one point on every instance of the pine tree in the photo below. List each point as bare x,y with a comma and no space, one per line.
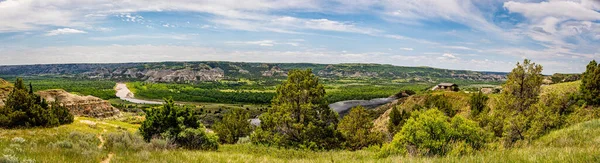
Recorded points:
590,84
397,119
478,104
356,129
299,116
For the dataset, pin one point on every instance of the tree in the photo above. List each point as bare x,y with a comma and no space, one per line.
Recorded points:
478,104
397,119
520,92
590,84
356,129
23,108
299,116
178,125
233,126
523,85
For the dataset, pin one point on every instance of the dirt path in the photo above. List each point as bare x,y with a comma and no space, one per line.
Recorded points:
107,160
101,139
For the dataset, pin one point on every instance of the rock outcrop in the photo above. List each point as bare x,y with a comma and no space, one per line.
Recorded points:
88,106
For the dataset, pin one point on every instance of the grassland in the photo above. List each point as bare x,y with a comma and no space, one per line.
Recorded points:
81,142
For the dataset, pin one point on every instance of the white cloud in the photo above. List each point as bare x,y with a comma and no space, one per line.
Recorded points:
458,47
132,37
64,31
266,43
407,49
556,8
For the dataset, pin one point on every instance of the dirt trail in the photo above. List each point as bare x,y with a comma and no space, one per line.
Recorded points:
107,160
102,141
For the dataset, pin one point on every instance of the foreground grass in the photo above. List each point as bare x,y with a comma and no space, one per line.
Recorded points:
578,143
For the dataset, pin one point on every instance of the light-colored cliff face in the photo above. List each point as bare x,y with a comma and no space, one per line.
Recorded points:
184,75
88,106
187,75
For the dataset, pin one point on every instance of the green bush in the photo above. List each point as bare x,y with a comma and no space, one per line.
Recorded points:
124,141
356,129
178,124
478,104
442,103
233,126
197,139
433,133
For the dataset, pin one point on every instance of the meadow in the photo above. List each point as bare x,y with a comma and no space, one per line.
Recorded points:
86,140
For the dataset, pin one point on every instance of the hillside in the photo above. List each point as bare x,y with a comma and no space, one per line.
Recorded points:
86,140
185,72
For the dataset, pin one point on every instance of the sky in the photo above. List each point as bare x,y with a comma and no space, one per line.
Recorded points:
482,35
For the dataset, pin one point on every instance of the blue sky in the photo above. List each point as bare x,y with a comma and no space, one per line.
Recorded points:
492,35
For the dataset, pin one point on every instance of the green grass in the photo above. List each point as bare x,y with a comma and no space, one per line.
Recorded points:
577,143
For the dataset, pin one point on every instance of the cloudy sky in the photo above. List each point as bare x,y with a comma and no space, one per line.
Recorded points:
490,35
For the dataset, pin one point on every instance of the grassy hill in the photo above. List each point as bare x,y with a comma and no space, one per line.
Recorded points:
86,141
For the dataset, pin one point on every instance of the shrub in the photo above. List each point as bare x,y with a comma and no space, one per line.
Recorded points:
9,159
18,140
234,125
124,141
161,144
356,129
478,104
178,124
442,103
198,139
433,133
64,144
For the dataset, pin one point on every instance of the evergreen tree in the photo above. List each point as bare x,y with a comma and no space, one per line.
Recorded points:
233,126
25,109
397,119
300,116
356,129
478,104
590,84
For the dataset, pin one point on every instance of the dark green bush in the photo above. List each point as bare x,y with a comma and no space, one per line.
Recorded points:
197,139
442,103
478,104
233,126
178,124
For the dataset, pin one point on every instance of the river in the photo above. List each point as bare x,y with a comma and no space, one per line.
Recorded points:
125,94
